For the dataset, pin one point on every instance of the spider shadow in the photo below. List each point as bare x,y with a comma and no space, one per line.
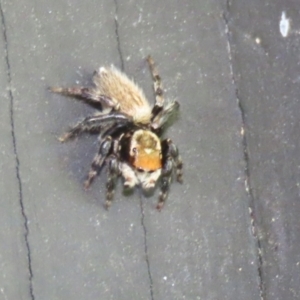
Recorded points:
127,192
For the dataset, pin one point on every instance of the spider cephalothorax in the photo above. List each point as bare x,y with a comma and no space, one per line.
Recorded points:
129,132
145,151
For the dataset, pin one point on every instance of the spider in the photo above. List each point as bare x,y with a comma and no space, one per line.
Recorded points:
129,132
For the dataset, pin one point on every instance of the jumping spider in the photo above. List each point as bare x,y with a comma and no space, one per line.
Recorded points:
129,132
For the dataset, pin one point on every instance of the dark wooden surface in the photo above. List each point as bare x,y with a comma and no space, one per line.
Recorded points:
266,68
231,231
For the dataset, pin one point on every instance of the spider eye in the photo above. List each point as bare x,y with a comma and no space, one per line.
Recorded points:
134,150
140,170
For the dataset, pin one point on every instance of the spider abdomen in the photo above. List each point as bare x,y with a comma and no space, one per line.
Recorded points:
129,96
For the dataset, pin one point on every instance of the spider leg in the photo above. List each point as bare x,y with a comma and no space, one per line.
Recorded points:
113,173
114,129
163,116
93,123
165,182
86,125
98,161
159,100
89,95
172,161
173,152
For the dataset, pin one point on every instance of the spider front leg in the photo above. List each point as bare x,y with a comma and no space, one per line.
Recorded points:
172,161
162,117
99,160
159,100
113,173
93,124
87,125
165,182
170,149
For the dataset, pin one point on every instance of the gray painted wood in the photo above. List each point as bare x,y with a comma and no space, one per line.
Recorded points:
14,266
266,68
230,69
200,246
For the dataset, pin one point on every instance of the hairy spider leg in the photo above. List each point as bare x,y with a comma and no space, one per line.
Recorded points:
93,124
165,182
113,173
115,129
88,95
163,116
159,99
173,152
172,161
99,160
